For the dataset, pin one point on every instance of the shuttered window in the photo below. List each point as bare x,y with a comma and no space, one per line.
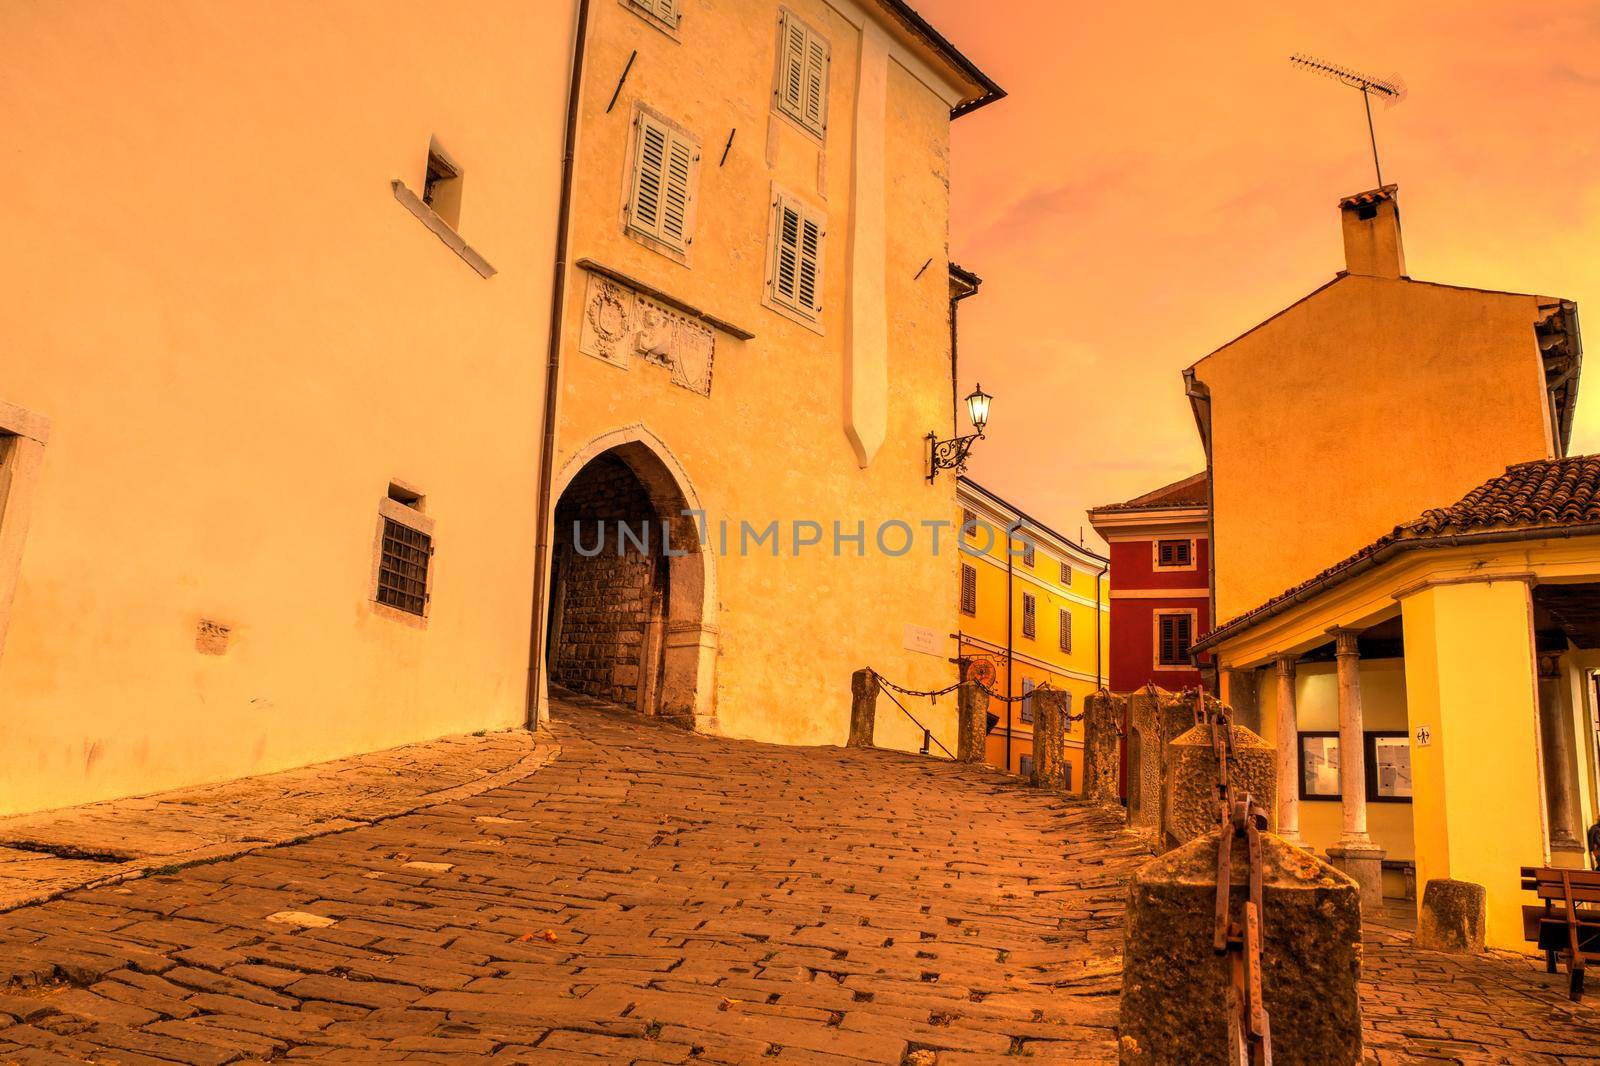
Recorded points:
1066,629
663,11
1027,699
1173,553
1027,552
1029,615
969,589
1066,574
802,89
795,272
665,165
1176,634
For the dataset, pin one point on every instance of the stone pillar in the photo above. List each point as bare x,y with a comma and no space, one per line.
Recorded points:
972,718
1560,783
863,708
1049,739
1243,699
1451,917
1175,987
1192,780
1101,714
1288,752
1355,853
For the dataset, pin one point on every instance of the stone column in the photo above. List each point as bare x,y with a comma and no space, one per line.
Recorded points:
863,708
1560,784
1244,699
1175,988
1049,739
1288,752
1355,853
1101,714
972,720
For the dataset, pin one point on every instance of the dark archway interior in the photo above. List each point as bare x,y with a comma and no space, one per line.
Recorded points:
611,593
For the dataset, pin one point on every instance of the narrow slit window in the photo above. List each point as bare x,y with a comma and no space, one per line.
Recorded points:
969,589
441,186
1066,629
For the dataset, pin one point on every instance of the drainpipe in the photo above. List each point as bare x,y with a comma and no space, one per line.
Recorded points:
1098,683
552,379
1199,395
955,386
1010,572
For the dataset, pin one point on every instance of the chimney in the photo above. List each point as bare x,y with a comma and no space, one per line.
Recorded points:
1371,222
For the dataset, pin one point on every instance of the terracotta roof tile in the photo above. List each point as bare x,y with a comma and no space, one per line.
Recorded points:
1189,492
1534,497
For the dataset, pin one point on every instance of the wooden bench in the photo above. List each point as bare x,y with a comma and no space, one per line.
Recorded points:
1566,923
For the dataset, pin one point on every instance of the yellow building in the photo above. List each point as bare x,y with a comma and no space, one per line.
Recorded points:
1033,611
278,481
1374,422
277,286
757,333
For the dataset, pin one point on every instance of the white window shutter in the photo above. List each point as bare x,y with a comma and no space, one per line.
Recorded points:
797,257
648,177
675,196
802,91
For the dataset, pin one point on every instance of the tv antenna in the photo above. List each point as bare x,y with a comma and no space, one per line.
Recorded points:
1390,90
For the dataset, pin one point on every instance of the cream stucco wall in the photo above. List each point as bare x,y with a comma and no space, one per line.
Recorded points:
240,337
1383,705
1356,409
782,435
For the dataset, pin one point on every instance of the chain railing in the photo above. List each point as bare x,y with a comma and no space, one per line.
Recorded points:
1249,1028
932,694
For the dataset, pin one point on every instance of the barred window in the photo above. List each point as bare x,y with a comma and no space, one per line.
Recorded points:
403,569
1176,634
1029,620
1066,629
969,589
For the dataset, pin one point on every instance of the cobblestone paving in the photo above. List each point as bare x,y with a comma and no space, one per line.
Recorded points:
42,855
657,897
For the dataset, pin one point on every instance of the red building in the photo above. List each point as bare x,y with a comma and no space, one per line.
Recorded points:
1160,584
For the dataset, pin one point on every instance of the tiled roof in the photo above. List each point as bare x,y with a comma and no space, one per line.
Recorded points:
1371,196
1530,499
1189,492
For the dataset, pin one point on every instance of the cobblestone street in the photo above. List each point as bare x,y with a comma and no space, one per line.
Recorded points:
657,897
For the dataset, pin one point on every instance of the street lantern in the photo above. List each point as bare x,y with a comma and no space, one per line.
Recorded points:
952,454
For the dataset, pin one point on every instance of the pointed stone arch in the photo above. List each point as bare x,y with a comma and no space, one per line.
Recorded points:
683,687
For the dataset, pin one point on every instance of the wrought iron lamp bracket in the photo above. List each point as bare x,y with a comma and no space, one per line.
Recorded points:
949,454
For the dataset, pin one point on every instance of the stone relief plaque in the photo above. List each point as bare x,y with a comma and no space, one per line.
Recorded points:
620,325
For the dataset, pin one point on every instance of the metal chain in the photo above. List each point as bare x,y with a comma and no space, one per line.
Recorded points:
1249,1028
991,693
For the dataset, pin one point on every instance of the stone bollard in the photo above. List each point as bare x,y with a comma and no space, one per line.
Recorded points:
863,708
1451,917
1049,739
1175,987
1102,715
972,719
1192,780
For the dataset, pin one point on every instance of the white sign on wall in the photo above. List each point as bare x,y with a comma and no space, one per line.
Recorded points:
923,639
1424,736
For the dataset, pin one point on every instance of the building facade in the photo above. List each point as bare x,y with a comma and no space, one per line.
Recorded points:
756,340
1033,611
1401,686
1160,584
269,413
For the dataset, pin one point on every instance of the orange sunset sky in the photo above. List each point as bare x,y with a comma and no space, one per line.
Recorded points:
1160,179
